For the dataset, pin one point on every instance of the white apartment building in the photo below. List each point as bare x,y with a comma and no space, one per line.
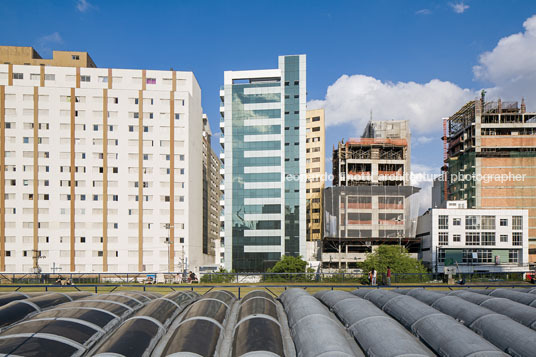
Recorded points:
99,167
474,240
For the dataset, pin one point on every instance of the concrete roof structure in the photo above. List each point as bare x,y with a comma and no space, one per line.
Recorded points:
366,322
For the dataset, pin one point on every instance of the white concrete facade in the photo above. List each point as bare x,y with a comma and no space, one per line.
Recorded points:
76,241
498,237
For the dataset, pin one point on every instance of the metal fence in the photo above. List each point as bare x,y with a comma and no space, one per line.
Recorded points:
238,290
361,278
247,278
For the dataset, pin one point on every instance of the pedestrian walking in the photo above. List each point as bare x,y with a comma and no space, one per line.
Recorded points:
373,275
388,276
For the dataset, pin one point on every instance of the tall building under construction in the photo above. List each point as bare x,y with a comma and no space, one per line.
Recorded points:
491,158
368,203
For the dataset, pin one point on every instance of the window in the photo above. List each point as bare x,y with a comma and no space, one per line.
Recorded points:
503,223
443,238
95,197
472,238
99,253
177,116
504,238
517,222
472,222
115,170
296,83
456,237
131,128
488,238
50,77
316,118
26,140
18,76
443,222
456,221
517,238
115,198
82,197
75,57
477,256
103,79
82,239
441,255
488,222
85,78
513,256
150,81
95,127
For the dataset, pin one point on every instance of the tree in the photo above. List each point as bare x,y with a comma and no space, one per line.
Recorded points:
394,256
288,264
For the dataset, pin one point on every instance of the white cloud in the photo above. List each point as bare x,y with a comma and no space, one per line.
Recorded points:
52,38
351,98
511,65
83,5
510,68
423,12
422,176
424,139
459,7
45,42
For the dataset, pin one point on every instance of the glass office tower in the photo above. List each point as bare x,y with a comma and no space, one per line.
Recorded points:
263,141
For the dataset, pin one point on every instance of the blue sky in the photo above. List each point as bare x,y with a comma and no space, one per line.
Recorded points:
402,59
